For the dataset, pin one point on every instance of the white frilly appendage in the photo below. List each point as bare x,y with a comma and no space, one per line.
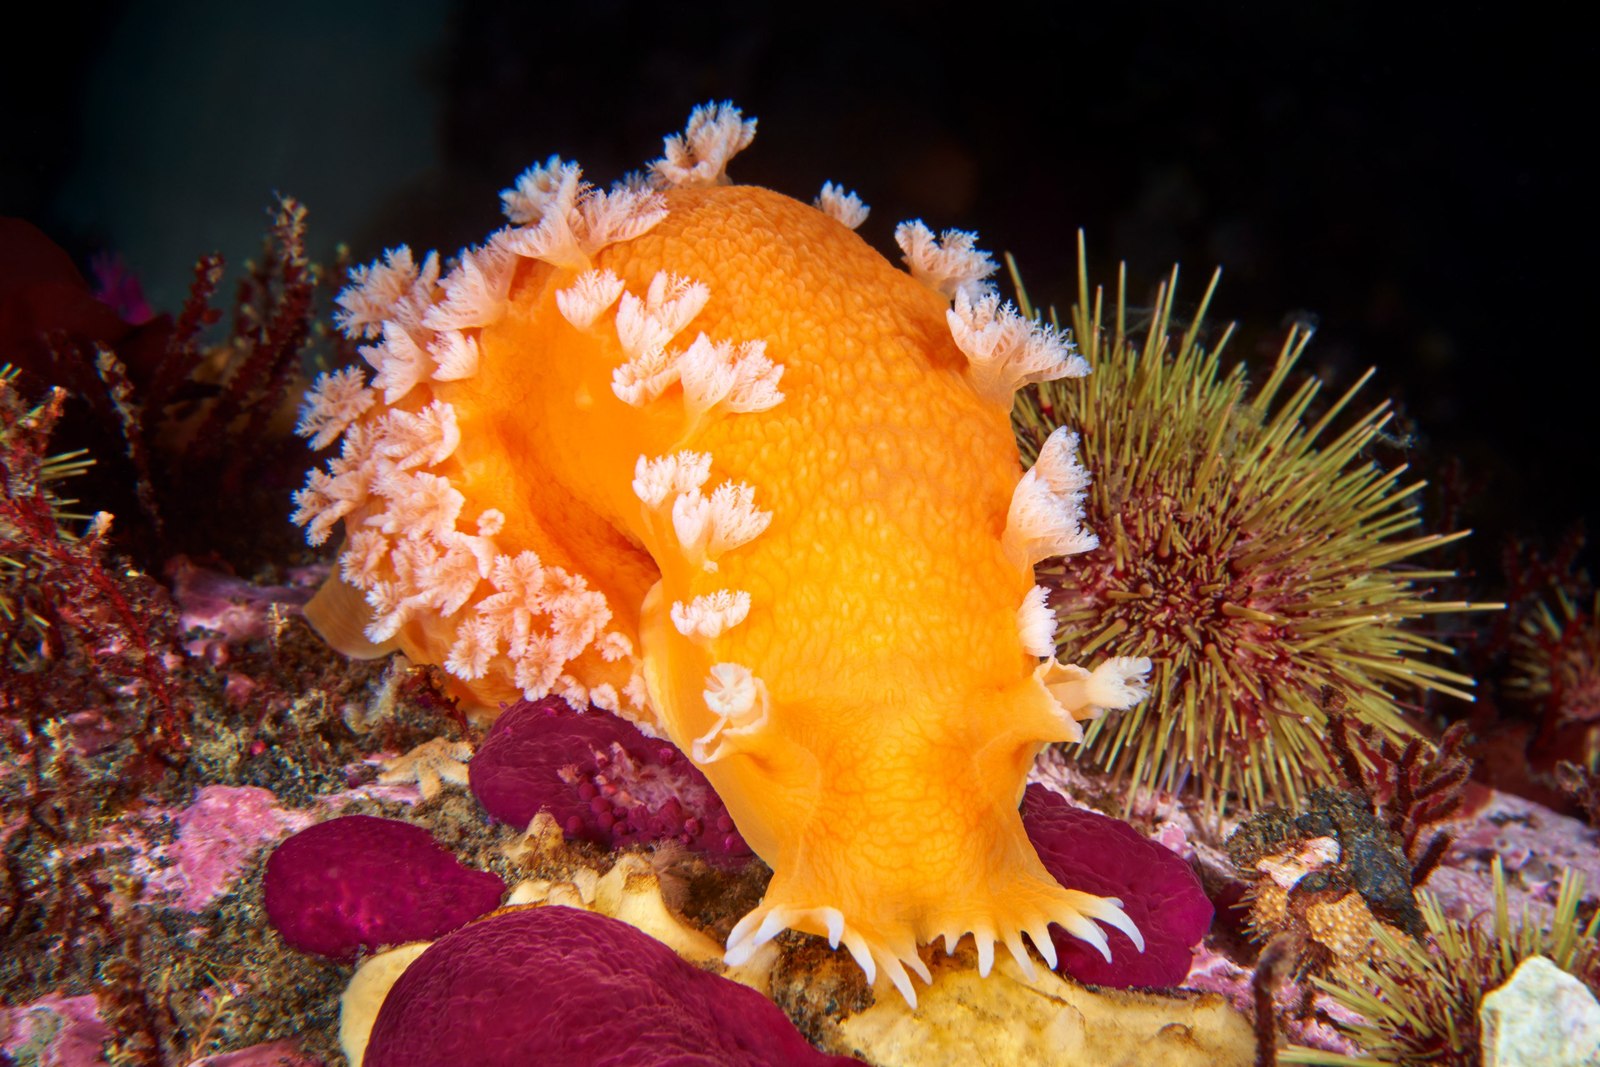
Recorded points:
645,327
739,701
1037,623
949,263
1004,350
588,297
841,204
655,481
416,439
719,375
565,221
1046,514
1115,684
475,290
373,292
335,400
709,526
711,615
699,156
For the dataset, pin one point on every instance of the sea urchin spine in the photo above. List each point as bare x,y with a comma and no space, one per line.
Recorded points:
1251,561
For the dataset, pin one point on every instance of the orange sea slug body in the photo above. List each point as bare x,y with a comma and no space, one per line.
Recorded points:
695,452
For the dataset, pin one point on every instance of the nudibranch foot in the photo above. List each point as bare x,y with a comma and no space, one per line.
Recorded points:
1029,907
871,950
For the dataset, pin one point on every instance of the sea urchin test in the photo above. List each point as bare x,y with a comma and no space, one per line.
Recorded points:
696,453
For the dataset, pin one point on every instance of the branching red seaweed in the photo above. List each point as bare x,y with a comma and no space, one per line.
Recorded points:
1412,788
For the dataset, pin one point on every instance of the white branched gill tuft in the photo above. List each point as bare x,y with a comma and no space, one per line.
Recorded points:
614,646
455,356
699,156
400,359
319,505
645,328
948,263
589,296
841,204
1114,685
709,526
335,400
365,554
670,303
491,522
718,374
1118,683
1004,350
1046,514
1037,623
657,480
507,621
477,643
739,700
414,303
565,220
419,504
711,615
419,439
537,188
475,291
330,495
373,292
401,363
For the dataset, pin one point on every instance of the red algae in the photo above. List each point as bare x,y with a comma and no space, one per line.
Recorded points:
559,985
1157,889
358,882
600,778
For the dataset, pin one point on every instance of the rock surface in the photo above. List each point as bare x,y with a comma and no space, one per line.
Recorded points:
1542,1017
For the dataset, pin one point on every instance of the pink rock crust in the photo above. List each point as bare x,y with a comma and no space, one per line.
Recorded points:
557,985
218,834
358,882
55,1030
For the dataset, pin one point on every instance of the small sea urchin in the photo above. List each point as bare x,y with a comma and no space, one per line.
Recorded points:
1253,560
1555,665
27,474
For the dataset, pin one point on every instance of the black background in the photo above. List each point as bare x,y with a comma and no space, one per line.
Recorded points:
1408,177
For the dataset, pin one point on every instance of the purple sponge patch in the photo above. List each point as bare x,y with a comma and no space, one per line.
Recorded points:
600,778
558,985
1096,854
358,882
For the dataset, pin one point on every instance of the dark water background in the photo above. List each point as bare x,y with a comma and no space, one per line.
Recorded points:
1407,175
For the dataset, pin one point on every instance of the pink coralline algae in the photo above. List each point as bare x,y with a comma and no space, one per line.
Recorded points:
558,985
600,778
55,1030
220,610
220,832
1108,857
359,882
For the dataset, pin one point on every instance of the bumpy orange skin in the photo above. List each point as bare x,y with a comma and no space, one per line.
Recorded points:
904,714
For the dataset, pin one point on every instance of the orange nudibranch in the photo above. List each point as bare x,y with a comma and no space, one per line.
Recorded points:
696,453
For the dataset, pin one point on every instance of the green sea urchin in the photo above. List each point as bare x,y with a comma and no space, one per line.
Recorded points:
1254,561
